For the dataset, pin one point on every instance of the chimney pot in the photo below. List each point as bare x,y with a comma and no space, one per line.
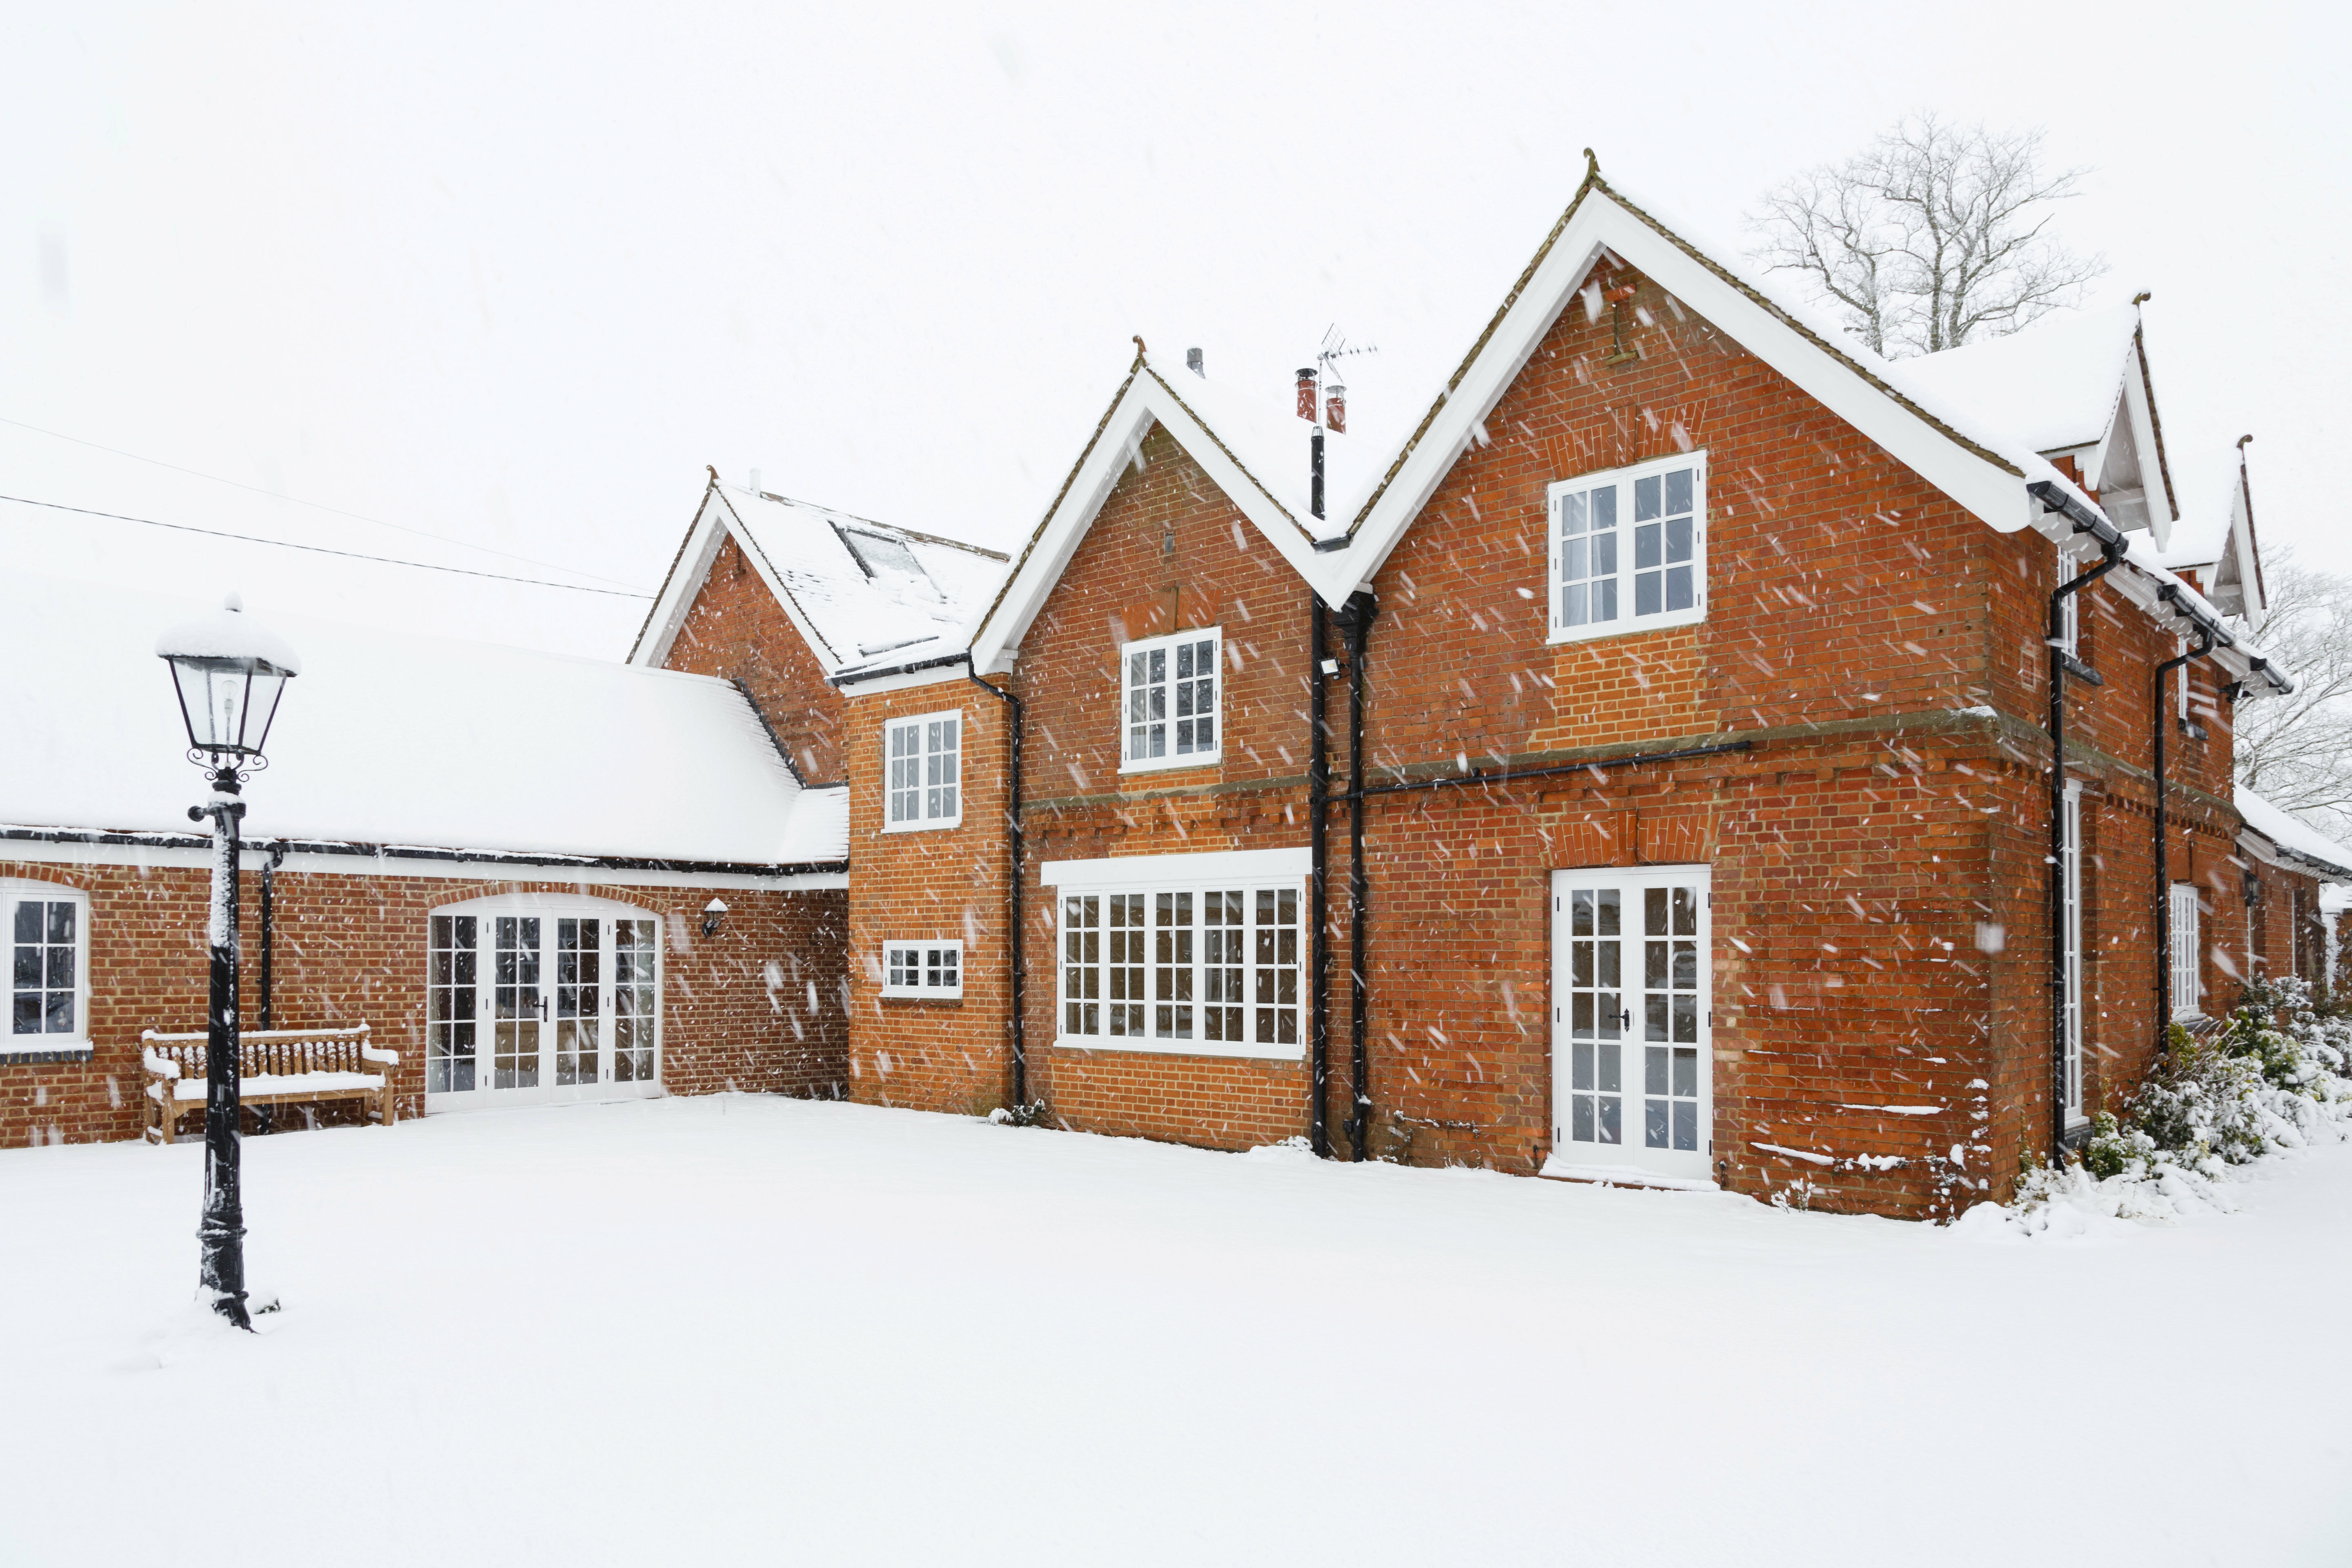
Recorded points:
755,482
1192,362
1306,393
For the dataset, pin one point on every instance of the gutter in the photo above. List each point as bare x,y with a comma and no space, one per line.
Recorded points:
408,852
2063,663
1016,951
938,661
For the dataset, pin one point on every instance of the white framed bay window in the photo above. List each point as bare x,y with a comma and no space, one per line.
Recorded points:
1628,549
1193,954
1169,687
923,780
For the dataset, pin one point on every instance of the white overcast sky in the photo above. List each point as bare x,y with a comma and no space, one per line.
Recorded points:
513,276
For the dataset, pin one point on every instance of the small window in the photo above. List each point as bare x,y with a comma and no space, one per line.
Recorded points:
1170,717
924,785
1629,549
48,930
2186,938
882,558
925,969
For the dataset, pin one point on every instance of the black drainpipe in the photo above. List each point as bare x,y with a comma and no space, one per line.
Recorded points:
269,923
2205,645
1020,967
2063,663
1355,627
1318,858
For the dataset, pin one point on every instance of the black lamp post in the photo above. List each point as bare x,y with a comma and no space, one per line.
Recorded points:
229,674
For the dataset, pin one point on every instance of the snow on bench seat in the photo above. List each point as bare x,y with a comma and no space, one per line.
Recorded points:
276,1066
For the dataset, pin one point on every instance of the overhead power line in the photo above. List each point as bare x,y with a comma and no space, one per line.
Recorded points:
323,549
298,501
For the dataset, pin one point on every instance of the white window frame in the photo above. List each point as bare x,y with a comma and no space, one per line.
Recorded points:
1622,580
2071,877
1637,995
926,787
933,971
12,1044
1144,647
1192,989
2187,934
549,908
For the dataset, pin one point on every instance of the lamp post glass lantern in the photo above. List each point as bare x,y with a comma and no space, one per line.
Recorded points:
228,674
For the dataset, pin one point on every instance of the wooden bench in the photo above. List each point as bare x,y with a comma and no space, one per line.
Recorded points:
276,1066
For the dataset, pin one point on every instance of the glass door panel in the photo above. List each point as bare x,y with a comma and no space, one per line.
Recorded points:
1630,1052
449,1001
633,957
579,961
518,1008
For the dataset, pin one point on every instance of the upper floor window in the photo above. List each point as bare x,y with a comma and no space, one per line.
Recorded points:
1169,687
47,929
925,785
1629,549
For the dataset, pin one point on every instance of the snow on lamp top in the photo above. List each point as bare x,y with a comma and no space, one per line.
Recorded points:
230,672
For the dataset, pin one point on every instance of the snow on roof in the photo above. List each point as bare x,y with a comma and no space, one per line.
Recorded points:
397,739
1269,441
873,595
2052,386
2292,834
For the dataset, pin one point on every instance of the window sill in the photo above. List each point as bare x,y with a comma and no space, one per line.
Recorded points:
1150,1048
889,995
77,1052
942,825
1173,765
1558,637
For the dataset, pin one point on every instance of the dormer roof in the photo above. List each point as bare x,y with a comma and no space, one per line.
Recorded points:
861,594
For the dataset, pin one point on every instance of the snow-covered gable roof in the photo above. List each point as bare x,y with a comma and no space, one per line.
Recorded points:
862,595
2294,837
403,740
1969,446
2216,540
2075,384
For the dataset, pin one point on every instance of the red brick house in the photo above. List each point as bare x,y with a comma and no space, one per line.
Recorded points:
1648,777
511,867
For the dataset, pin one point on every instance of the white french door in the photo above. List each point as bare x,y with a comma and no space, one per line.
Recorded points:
1631,1054
543,1001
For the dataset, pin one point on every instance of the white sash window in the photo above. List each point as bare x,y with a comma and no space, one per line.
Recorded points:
1169,716
933,971
1628,549
47,928
2185,937
924,783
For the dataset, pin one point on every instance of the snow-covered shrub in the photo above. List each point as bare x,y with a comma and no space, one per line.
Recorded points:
1034,1114
2277,1073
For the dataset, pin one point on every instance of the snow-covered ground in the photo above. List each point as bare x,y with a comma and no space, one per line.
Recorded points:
741,1330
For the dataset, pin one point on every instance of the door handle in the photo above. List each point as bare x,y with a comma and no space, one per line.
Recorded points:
1625,1019
542,1009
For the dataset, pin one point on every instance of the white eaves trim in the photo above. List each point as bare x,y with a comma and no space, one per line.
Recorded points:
1145,399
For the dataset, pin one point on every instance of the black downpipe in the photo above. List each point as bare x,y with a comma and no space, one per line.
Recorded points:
1019,917
2062,660
1319,857
2163,860
269,928
1355,625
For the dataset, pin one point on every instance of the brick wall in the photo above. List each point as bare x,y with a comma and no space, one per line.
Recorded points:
758,1006
1878,858
735,629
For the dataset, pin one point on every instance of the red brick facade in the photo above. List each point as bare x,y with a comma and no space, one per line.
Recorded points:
756,1007
1877,855
735,629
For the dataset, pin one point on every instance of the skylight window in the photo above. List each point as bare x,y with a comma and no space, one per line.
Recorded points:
884,559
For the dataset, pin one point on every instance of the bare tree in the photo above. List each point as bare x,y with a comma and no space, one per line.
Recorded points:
1933,236
2296,751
